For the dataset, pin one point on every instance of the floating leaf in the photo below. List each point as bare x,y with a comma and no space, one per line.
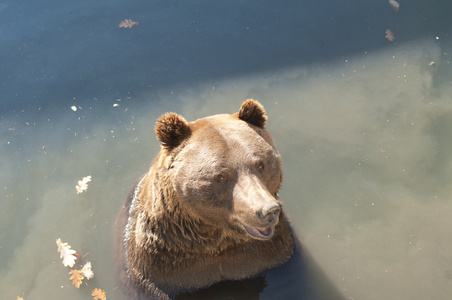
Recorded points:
87,271
99,294
66,253
395,5
127,23
76,277
389,35
83,184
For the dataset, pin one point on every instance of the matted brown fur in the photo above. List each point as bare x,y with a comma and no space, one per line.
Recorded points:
207,210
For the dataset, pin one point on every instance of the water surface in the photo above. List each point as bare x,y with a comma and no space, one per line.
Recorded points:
363,126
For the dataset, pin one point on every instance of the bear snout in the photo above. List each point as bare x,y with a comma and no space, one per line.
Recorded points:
269,213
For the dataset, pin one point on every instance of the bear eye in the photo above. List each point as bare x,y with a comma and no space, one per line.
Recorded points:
260,166
221,178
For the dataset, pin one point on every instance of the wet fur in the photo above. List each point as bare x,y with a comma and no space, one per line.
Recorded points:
166,248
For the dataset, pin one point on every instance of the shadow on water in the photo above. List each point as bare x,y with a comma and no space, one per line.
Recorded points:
300,278
246,289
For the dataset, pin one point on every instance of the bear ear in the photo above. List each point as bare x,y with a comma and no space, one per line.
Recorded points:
252,112
171,130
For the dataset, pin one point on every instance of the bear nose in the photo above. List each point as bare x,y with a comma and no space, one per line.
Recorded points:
269,212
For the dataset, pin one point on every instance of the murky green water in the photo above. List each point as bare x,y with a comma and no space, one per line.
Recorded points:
363,126
366,151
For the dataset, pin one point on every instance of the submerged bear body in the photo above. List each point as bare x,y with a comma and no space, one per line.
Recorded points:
208,208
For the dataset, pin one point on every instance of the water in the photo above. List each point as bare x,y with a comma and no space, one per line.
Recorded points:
363,126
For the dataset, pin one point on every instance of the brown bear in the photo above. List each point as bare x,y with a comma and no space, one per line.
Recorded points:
208,209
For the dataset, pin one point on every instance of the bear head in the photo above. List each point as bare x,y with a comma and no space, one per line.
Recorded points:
225,170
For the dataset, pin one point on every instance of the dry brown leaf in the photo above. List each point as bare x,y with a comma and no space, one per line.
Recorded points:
66,253
99,294
76,277
389,35
127,23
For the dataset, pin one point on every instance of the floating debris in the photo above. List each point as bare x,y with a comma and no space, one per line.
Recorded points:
395,5
66,253
83,184
127,23
98,294
76,277
389,35
87,271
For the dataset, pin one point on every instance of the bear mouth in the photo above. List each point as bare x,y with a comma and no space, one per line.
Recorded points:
260,233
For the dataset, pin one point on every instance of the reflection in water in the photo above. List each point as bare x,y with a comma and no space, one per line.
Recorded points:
366,152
